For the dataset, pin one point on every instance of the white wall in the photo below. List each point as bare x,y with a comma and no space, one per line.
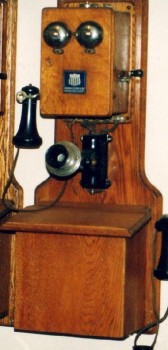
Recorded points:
31,171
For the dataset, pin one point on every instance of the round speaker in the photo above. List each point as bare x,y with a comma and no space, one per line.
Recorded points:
63,159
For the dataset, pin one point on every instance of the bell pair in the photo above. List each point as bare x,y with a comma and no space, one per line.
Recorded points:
89,34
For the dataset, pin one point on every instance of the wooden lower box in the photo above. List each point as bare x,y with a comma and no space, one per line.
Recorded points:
79,272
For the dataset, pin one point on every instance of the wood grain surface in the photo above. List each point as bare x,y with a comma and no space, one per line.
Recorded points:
6,146
84,284
79,285
97,101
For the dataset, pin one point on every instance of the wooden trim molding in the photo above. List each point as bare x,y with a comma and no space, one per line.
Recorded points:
7,130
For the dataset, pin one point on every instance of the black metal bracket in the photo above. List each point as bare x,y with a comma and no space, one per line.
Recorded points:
3,76
125,76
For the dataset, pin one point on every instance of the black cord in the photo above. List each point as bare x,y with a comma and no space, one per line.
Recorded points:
18,210
9,181
158,320
149,326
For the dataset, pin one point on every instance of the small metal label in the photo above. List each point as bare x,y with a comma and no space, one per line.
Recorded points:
74,82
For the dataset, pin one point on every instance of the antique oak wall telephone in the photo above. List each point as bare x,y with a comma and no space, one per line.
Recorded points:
91,255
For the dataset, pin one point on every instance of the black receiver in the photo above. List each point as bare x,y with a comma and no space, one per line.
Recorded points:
27,135
161,272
